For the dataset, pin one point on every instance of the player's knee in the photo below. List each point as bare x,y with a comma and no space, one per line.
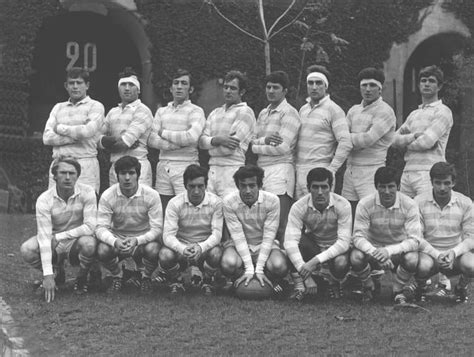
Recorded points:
357,260
104,252
277,265
28,251
87,245
409,261
152,250
425,266
230,262
466,264
340,266
214,257
167,258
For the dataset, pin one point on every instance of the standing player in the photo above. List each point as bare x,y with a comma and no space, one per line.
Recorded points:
127,126
326,222
386,235
275,143
176,131
227,134
252,217
372,127
72,128
192,232
424,134
129,224
66,219
448,229
324,139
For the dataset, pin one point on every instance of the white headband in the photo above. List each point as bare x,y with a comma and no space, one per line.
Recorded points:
318,75
131,79
367,81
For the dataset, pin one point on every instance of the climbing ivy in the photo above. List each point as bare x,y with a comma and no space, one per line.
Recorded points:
191,35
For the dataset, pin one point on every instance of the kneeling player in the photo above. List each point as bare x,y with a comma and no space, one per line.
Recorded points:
66,219
129,224
387,232
192,232
448,231
252,217
327,221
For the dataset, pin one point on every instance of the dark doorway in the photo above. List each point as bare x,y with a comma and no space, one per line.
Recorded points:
80,39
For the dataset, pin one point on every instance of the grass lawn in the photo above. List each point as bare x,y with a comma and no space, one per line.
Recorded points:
133,325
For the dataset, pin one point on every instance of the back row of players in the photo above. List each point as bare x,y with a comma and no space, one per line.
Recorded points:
387,225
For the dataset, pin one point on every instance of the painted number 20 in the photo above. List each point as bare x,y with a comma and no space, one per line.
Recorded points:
89,55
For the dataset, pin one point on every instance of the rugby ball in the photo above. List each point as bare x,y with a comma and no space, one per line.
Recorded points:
253,291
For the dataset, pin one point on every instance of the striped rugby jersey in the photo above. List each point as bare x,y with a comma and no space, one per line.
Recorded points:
330,230
324,135
238,120
285,120
187,224
252,228
65,220
372,130
139,216
131,122
182,126
398,228
450,227
73,129
434,120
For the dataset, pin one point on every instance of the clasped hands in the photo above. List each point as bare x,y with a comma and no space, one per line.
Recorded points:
193,252
383,258
126,246
446,260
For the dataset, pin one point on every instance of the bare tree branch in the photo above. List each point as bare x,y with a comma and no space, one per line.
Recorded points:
282,16
290,23
210,2
262,19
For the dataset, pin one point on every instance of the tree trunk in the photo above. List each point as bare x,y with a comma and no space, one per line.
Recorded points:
268,67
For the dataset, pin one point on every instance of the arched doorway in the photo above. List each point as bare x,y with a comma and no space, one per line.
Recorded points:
442,50
81,39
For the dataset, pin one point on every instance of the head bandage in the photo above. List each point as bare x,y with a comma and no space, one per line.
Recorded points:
131,79
318,75
374,81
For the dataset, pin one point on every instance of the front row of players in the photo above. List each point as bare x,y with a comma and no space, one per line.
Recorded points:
414,239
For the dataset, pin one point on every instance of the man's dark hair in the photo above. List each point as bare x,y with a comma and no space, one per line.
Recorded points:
371,73
127,163
441,170
387,174
78,72
279,77
432,71
319,174
68,160
127,72
182,72
248,171
320,69
193,172
241,77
